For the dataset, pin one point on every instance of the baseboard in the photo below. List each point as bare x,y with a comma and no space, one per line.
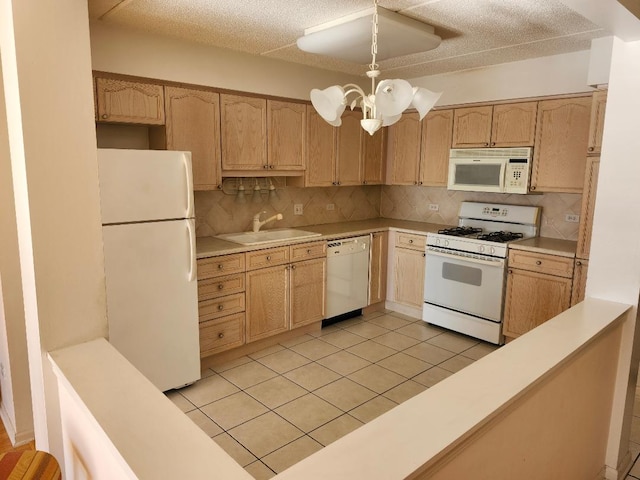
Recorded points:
17,438
621,472
404,309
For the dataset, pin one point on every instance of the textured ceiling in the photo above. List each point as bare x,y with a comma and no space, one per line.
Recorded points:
474,32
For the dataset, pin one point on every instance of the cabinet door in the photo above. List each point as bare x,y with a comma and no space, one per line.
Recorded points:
375,151
350,147
129,102
378,267
514,125
308,291
321,151
244,132
286,129
588,206
193,124
409,277
579,281
437,131
403,151
596,124
561,140
472,127
532,299
267,302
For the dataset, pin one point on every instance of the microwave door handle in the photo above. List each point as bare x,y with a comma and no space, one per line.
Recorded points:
489,263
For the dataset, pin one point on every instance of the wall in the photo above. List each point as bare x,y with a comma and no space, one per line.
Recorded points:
219,213
15,407
130,52
46,69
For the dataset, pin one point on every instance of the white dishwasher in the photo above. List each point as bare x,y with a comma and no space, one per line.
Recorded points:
347,275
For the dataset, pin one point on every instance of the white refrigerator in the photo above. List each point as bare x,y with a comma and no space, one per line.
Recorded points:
150,262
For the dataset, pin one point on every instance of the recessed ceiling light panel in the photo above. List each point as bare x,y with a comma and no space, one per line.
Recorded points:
349,38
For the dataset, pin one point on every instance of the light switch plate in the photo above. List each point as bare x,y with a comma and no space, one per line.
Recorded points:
572,218
434,207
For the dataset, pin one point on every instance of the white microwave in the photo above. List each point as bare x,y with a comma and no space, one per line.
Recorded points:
499,170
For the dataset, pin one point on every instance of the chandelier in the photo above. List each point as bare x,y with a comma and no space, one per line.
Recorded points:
386,102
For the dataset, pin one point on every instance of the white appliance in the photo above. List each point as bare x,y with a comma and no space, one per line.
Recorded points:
465,269
150,262
500,170
347,275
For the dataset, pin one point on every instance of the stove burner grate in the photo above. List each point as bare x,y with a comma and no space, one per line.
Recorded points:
500,237
460,231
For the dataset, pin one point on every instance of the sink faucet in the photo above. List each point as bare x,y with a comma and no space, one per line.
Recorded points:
257,223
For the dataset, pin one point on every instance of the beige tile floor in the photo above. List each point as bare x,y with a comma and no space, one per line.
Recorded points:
274,407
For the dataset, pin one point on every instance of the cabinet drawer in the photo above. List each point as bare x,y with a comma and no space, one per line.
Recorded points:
222,334
220,286
222,265
219,307
308,250
410,240
267,258
542,263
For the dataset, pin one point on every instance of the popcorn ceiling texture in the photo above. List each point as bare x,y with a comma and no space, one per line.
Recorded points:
218,213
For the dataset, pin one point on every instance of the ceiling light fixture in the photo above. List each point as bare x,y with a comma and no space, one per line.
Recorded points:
386,102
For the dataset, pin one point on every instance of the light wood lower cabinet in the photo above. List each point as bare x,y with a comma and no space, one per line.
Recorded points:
408,269
378,267
287,295
221,303
538,289
579,281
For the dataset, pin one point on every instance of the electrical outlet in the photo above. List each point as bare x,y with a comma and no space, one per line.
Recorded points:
434,207
298,209
572,218
331,206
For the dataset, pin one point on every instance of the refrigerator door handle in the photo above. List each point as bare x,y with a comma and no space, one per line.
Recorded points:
192,250
189,181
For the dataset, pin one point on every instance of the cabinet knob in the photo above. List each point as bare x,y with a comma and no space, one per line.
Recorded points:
538,262
486,144
334,183
532,187
579,263
424,254
220,286
410,240
220,266
265,166
510,271
271,167
221,335
268,258
293,267
420,183
591,149
104,115
220,307
415,183
308,251
220,187
337,183
364,182
493,143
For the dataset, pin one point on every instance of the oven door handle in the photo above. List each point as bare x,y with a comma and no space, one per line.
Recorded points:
491,263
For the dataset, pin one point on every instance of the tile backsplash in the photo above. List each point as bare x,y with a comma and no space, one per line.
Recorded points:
217,212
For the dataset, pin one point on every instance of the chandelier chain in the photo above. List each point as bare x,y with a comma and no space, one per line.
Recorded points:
374,36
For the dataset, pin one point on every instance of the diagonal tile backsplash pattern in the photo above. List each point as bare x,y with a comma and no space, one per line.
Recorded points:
217,212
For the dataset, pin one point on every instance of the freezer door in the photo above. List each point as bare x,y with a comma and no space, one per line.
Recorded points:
152,299
144,185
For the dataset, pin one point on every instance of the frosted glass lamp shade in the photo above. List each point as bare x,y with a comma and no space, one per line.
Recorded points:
386,121
329,103
424,100
393,97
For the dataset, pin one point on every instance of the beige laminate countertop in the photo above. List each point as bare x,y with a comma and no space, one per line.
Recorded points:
550,246
211,246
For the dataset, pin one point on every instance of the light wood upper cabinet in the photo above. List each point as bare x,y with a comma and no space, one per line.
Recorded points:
588,206
375,154
472,127
244,132
350,150
193,124
514,124
437,132
320,152
378,267
120,101
286,125
403,150
561,140
596,127
504,125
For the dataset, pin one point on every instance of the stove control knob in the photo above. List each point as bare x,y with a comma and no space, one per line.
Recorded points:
481,248
437,241
446,243
492,250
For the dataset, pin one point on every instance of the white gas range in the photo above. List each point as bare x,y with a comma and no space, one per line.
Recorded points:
465,271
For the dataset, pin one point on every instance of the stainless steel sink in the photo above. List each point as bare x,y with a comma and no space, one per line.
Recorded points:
267,236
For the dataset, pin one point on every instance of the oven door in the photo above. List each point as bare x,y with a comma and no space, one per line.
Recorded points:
470,285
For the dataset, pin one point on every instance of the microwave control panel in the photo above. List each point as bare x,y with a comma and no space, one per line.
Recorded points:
516,178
